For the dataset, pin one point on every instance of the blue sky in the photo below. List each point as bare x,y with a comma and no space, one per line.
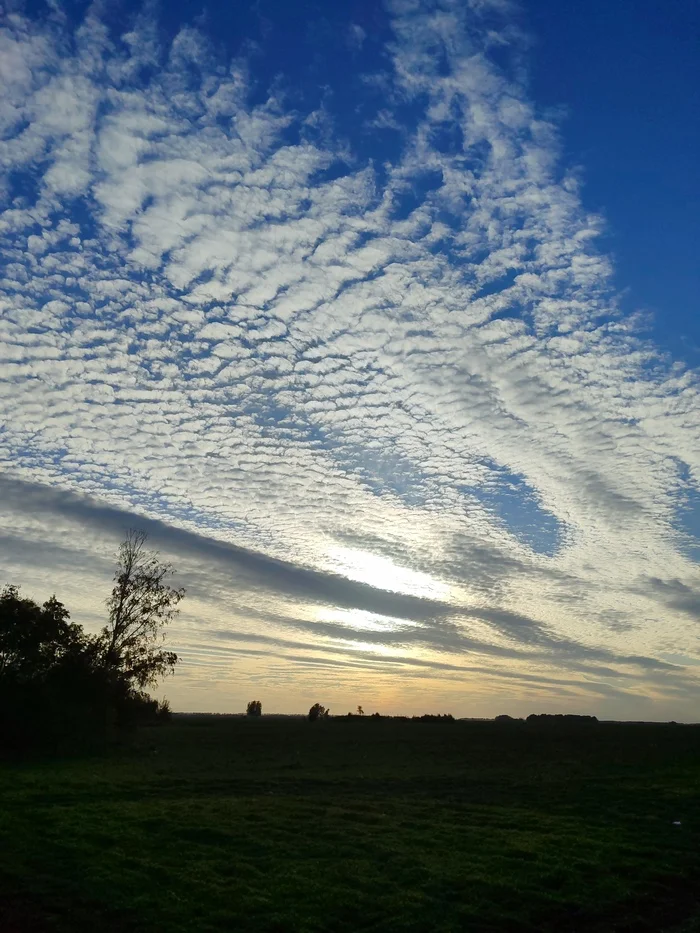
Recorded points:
379,318
627,75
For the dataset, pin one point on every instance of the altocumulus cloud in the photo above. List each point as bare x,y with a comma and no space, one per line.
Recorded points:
335,330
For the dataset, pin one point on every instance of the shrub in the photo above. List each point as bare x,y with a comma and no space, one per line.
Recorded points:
318,712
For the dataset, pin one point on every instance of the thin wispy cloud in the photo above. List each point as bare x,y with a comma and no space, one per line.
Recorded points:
345,342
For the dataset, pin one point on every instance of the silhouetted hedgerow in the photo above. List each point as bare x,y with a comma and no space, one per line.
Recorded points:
60,686
554,719
430,717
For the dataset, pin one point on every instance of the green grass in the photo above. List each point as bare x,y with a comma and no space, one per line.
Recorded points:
285,825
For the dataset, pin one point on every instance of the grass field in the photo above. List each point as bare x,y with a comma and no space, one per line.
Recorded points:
285,825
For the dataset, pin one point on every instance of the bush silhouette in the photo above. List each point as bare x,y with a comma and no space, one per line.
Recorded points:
433,717
318,712
560,719
254,708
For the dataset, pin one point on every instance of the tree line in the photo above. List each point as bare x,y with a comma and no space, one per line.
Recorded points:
61,685
320,712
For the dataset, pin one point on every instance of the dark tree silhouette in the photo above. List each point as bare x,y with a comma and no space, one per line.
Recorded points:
360,711
318,712
34,639
140,607
58,684
51,686
254,708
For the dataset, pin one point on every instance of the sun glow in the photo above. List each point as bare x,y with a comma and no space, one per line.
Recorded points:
361,620
384,574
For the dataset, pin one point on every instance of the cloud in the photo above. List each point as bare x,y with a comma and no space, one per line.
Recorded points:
675,595
288,600
278,328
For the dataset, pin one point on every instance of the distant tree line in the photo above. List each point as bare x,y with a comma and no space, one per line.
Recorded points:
560,719
545,719
60,685
318,711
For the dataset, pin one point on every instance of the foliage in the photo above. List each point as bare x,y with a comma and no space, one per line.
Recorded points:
163,711
432,717
560,719
50,684
34,639
141,605
254,708
318,712
210,825
60,686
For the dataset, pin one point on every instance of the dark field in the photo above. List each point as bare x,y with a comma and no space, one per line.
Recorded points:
285,825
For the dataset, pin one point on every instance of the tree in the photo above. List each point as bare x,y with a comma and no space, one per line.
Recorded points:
60,686
141,606
52,688
254,708
33,638
318,712
360,711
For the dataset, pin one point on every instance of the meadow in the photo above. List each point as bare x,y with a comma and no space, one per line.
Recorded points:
244,824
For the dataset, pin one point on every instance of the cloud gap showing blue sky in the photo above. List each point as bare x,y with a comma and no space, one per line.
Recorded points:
313,295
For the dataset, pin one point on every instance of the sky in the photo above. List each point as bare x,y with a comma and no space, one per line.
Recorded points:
381,320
